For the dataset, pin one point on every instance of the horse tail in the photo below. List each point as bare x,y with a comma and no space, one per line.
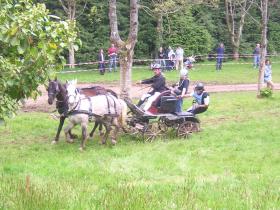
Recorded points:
123,115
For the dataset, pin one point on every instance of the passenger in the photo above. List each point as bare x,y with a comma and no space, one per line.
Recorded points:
181,89
201,99
158,86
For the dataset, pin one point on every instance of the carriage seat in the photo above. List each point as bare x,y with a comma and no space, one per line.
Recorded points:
165,102
156,102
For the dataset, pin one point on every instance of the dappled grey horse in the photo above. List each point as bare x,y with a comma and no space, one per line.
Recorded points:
107,109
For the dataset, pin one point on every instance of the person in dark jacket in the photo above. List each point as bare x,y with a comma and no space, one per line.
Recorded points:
220,56
162,58
101,62
257,56
157,86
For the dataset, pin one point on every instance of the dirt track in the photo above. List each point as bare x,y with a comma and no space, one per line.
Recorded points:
42,105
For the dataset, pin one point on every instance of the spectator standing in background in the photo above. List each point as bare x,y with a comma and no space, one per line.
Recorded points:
179,58
220,56
171,58
256,55
101,62
161,56
112,52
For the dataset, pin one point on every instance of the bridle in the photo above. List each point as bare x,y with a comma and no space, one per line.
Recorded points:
56,91
76,102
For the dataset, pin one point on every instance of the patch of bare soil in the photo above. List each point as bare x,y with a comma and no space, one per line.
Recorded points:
41,103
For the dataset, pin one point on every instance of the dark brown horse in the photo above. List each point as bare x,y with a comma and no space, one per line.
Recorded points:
57,90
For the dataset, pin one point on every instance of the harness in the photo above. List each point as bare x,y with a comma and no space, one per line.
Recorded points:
108,104
76,108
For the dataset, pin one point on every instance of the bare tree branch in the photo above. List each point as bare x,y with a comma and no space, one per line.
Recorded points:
63,6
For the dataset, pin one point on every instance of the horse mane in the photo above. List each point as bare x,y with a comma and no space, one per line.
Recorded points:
62,91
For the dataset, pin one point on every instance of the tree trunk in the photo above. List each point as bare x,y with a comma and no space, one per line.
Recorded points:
69,6
126,73
71,56
235,25
236,53
264,10
125,49
71,16
159,40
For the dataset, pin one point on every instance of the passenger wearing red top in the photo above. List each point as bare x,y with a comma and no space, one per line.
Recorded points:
112,52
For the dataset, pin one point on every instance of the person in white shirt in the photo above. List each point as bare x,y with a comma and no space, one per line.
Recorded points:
171,58
101,62
179,58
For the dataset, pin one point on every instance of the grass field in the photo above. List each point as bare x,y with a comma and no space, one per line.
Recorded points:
233,164
232,73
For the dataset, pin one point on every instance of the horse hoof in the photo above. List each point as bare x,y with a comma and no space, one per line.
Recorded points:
54,142
114,141
70,141
81,149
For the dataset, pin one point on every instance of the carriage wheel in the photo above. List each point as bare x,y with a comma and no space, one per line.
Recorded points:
151,132
185,129
134,131
162,125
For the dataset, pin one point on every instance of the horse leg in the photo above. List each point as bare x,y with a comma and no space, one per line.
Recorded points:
72,136
61,122
100,129
66,131
107,132
84,134
116,130
94,128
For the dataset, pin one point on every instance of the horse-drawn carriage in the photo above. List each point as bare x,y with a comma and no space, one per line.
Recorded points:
161,116
154,122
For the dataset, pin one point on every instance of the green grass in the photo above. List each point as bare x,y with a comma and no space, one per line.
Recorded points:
232,73
233,164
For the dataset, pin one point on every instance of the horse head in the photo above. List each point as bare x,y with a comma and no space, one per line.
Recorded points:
73,94
53,90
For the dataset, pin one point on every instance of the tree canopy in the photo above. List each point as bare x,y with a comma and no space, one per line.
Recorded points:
208,21
32,42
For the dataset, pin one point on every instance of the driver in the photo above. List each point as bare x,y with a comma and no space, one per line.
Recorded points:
201,99
158,86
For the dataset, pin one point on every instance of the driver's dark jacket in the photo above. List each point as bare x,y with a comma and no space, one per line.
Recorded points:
158,83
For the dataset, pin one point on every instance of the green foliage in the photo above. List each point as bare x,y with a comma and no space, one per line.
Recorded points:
204,27
212,19
32,42
183,31
266,93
